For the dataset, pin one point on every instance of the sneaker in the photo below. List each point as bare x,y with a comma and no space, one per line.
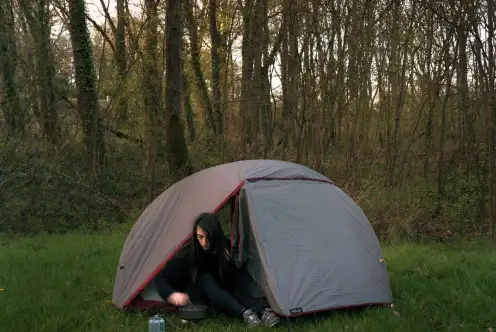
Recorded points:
269,318
251,318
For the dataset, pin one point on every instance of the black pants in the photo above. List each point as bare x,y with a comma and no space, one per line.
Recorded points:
230,302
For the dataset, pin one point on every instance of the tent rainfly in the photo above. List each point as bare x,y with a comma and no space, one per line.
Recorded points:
303,239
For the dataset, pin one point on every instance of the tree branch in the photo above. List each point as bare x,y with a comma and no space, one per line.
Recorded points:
103,33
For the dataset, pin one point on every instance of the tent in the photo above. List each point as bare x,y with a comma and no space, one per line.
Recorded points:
306,243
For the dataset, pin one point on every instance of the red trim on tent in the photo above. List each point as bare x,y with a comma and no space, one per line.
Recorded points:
234,192
162,264
288,179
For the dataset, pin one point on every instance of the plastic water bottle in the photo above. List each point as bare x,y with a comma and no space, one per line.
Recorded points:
156,324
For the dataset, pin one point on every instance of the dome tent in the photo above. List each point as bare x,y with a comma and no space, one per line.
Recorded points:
304,240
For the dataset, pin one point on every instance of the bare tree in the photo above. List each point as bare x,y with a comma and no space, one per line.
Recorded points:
10,104
38,20
492,118
177,151
120,43
151,87
201,85
216,65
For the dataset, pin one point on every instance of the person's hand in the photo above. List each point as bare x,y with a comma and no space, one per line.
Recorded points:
178,299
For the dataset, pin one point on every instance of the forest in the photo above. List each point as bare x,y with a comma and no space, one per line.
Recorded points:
105,103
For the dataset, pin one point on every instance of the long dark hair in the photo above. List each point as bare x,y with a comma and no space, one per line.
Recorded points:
210,224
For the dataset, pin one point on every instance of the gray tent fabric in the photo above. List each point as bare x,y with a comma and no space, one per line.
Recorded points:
316,249
245,251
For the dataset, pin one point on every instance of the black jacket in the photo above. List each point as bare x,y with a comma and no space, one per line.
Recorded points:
176,274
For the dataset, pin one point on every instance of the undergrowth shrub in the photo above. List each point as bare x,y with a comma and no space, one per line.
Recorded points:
44,189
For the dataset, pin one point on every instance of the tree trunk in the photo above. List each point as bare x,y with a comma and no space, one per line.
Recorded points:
492,119
46,74
214,51
286,101
151,85
87,99
429,90
448,73
177,151
195,63
265,114
38,19
188,108
9,98
394,80
120,45
248,57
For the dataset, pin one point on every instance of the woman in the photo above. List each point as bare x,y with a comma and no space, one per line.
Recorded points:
208,275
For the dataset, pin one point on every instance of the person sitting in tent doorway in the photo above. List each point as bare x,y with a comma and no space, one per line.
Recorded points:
208,275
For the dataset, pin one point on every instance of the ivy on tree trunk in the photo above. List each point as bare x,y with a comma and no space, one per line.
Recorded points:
87,99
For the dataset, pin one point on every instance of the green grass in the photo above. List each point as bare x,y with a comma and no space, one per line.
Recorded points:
62,283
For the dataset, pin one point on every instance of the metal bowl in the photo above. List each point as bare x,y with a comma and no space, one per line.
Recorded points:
193,312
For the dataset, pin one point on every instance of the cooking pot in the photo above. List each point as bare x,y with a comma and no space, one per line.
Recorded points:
193,312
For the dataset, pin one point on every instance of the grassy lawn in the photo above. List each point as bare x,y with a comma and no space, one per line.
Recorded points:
63,283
